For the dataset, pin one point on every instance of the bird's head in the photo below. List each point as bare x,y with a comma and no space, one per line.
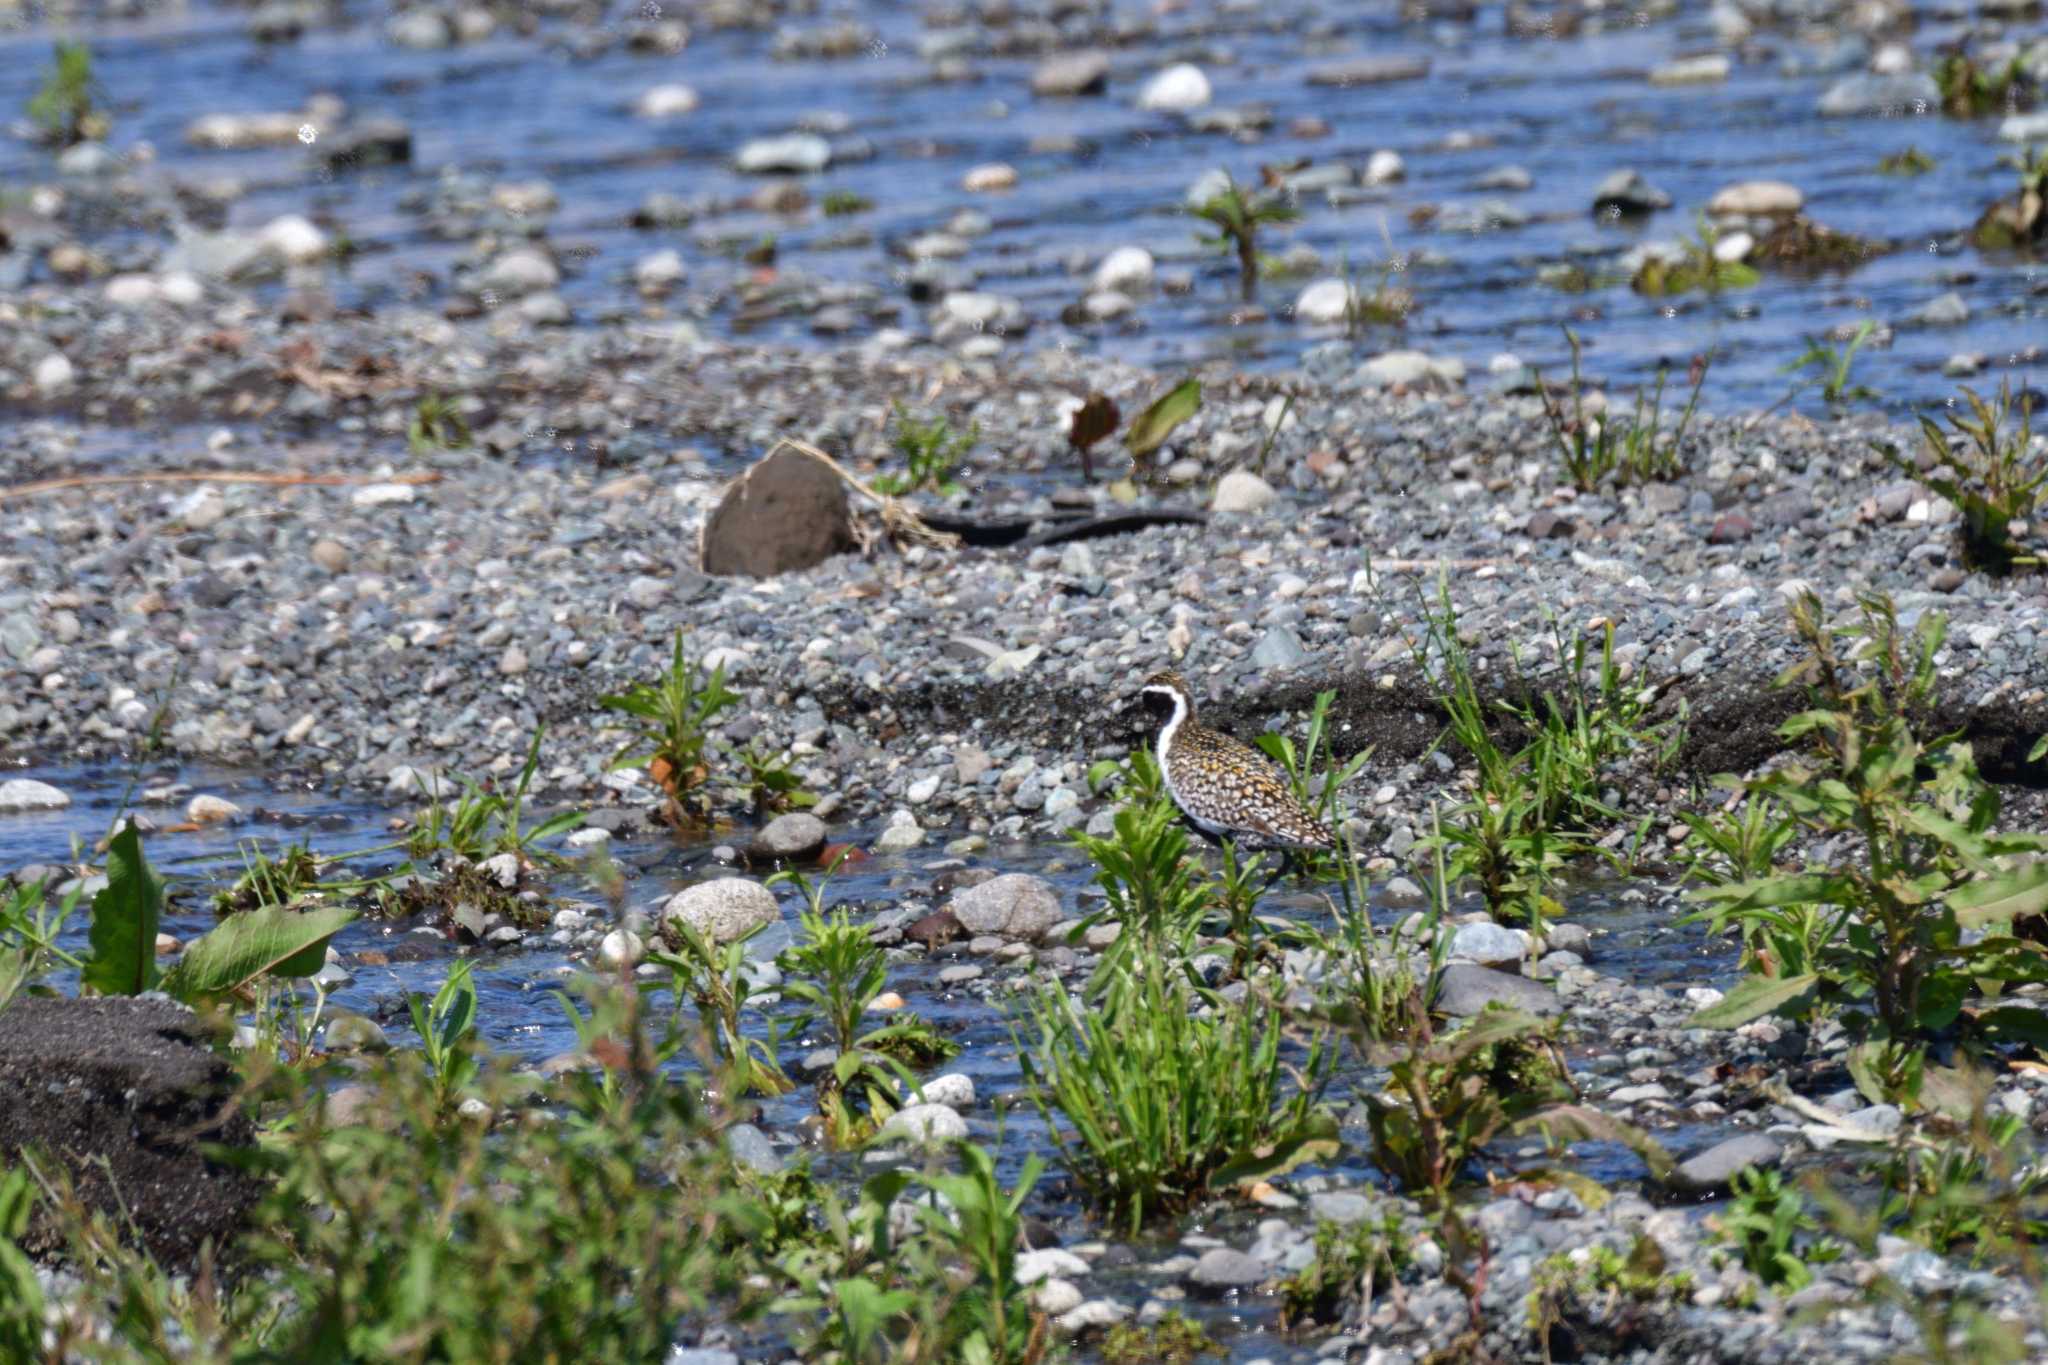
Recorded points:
1165,695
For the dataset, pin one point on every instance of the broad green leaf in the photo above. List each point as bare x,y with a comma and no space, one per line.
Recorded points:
2015,1023
1765,893
455,1007
272,941
1317,1141
1578,1123
1923,820
1486,1029
1955,1092
124,920
1755,997
2004,897
1150,428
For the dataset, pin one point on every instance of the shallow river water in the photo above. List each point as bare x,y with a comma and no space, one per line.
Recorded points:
1096,173
520,1016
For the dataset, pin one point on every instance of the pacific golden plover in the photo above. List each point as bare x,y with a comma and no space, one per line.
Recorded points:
1227,789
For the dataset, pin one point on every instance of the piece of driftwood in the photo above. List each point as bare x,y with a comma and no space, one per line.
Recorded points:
1028,533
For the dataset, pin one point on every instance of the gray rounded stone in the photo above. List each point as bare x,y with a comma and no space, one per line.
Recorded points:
1015,905
1226,1268
355,1033
1712,1169
723,910
1468,989
25,793
797,838
1489,944
926,1123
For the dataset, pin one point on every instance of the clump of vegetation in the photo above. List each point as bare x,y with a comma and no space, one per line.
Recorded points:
941,1289
1912,161
1983,1192
1150,428
594,1234
1798,242
670,723
70,106
1996,478
1448,1097
1352,1263
446,1026
931,451
1597,1301
1171,1340
836,970
1833,363
437,424
845,203
1772,1231
1897,935
265,880
1697,268
2020,222
1533,809
1970,91
1237,215
1739,842
769,785
1163,1108
482,824
715,979
1593,450
221,968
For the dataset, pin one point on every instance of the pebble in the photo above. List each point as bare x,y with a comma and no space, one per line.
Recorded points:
666,101
1072,73
210,810
621,948
925,1124
900,835
796,837
994,176
1221,1269
54,373
1757,198
1325,302
793,154
1177,89
25,794
1711,1170
1241,491
1126,270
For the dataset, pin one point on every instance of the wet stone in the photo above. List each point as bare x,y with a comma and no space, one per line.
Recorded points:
1469,989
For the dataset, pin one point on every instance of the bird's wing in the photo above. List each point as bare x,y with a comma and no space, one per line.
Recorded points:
1267,782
